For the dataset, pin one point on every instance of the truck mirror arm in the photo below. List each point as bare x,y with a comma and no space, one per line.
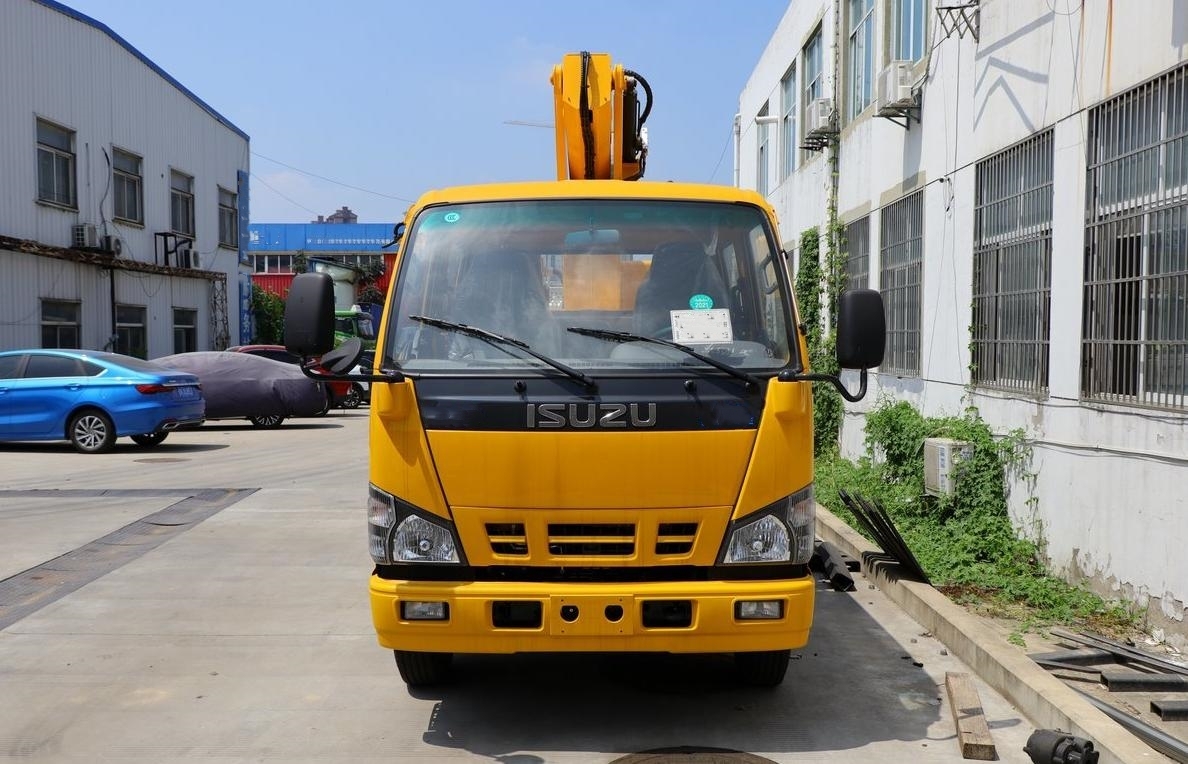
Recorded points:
310,370
790,376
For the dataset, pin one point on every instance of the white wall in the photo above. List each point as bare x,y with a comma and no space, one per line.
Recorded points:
1107,503
78,76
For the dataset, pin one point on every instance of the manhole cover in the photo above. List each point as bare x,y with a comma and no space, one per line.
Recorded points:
692,755
161,460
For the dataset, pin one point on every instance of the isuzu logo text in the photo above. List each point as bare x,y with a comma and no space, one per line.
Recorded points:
587,415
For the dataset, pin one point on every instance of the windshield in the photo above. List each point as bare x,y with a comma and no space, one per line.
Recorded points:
700,274
355,326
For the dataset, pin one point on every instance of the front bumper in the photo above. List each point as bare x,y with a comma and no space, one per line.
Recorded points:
712,625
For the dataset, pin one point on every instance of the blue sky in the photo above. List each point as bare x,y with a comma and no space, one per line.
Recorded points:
398,97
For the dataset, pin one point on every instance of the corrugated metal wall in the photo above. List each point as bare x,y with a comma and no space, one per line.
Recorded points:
76,75
20,312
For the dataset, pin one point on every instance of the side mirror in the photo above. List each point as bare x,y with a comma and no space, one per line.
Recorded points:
309,315
861,329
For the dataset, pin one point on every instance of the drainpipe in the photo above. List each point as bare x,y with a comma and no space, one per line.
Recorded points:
737,145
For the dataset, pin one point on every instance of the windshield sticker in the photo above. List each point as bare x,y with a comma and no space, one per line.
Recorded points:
701,326
452,217
701,302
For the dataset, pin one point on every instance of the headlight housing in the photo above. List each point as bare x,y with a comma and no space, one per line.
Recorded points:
781,532
399,532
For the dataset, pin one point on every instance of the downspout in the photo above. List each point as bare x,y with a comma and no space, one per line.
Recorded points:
737,145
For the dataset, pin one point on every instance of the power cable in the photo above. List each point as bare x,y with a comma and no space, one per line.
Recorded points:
281,195
330,180
722,155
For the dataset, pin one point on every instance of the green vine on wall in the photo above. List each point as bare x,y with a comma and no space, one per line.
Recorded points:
966,542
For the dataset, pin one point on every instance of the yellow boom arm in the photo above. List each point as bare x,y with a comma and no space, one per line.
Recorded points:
599,129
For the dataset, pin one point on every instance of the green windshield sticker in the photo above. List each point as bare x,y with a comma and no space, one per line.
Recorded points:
701,302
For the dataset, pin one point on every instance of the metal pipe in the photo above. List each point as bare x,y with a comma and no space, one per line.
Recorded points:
1156,738
737,145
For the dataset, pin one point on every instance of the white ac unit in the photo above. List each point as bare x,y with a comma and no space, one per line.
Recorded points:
819,118
895,90
187,258
942,463
84,236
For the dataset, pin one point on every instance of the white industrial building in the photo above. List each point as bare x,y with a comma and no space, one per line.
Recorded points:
123,196
1013,176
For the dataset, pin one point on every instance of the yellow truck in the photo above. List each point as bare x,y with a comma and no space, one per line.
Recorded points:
591,412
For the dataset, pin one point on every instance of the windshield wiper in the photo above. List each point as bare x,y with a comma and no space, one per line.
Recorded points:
615,336
500,341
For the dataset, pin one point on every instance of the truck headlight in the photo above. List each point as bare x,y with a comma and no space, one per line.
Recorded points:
398,532
783,531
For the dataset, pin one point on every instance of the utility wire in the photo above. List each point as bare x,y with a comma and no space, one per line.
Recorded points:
278,193
332,180
722,156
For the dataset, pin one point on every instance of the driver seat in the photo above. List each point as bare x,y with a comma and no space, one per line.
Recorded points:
680,269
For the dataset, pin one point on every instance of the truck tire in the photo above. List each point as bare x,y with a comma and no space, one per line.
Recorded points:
765,669
421,669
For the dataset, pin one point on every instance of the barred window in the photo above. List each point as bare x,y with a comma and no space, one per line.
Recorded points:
1012,267
60,324
127,182
857,254
901,265
1135,323
55,164
228,218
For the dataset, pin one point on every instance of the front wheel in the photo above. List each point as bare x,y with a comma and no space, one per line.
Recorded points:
420,669
763,669
91,432
149,439
270,422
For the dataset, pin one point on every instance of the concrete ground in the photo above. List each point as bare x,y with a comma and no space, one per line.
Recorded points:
215,608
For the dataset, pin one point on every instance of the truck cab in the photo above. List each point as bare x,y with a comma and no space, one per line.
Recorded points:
591,416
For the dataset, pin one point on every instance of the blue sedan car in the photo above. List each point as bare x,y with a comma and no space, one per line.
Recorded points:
91,398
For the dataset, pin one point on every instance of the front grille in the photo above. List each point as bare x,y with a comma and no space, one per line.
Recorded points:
515,537
591,539
675,538
508,538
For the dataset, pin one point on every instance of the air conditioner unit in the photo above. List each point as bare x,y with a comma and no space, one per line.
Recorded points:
112,245
942,463
895,89
819,118
187,258
84,236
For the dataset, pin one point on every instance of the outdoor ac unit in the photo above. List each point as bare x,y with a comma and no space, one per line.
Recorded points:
942,461
112,245
84,236
819,117
895,86
187,258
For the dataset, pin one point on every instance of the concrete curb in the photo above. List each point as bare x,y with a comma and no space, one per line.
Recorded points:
1046,700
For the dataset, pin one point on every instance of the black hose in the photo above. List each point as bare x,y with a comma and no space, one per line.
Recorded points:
587,116
647,89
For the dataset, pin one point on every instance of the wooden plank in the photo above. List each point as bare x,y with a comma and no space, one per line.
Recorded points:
973,734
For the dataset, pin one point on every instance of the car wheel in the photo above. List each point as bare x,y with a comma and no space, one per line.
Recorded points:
91,432
269,422
149,439
353,398
421,669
